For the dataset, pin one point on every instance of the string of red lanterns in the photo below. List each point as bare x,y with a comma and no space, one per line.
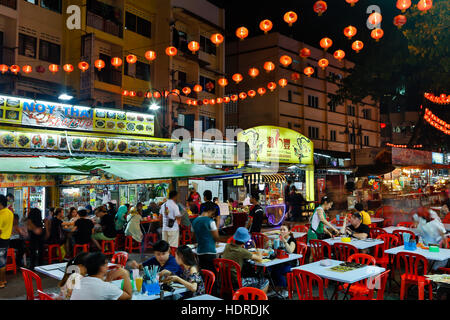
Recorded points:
403,146
442,99
436,122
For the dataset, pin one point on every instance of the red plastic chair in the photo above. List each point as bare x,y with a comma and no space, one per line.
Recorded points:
149,240
209,278
230,239
120,258
120,242
186,235
300,228
318,249
173,251
302,248
108,247
304,282
28,277
250,294
77,248
11,256
343,250
399,234
379,283
390,241
445,243
387,222
54,248
360,288
444,270
131,245
303,239
44,296
223,268
411,262
260,239
375,232
373,225
405,224
384,211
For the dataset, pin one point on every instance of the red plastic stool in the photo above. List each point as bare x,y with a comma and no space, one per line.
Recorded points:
108,247
11,255
131,245
153,237
120,241
80,247
51,250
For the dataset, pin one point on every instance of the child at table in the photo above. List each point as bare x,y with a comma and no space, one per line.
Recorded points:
191,277
75,271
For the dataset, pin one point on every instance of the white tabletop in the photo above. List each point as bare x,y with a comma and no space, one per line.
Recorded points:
376,220
391,229
220,248
204,297
57,270
359,244
292,257
179,289
442,255
276,234
346,277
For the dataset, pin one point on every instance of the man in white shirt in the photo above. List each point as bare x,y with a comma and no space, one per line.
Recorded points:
170,212
93,287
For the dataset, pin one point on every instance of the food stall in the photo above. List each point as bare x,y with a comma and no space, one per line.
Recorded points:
276,155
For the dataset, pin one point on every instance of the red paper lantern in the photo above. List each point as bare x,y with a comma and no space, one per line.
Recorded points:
150,55
83,66
269,66
194,46
116,62
237,77
290,18
383,125
99,64
350,32
132,94
252,93
377,34
399,20
234,98
339,55
320,7
205,102
68,68
187,90
403,5
425,5
295,76
326,43
54,68
266,25
217,39
15,69
140,94
176,91
148,95
125,93
242,33
209,86
223,82
219,100
323,63
352,2
243,96
271,86
156,95
262,91
171,51
286,61
357,46
305,53
198,88
131,58
283,82
3,68
27,69
40,69
253,72
212,102
226,99
309,71
375,18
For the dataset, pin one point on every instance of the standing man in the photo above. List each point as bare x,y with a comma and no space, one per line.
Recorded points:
256,212
170,214
207,197
287,191
6,226
297,202
205,230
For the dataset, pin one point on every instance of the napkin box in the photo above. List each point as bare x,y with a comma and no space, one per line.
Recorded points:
434,248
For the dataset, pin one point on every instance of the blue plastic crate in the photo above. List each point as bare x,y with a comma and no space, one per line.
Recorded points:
411,246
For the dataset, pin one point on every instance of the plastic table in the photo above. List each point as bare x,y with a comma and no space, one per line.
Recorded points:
276,234
219,249
391,229
179,289
57,270
359,244
442,255
205,297
292,257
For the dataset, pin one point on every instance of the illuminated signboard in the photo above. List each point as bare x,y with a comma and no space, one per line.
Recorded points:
438,158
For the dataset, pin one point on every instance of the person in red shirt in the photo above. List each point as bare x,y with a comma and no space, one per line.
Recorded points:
194,197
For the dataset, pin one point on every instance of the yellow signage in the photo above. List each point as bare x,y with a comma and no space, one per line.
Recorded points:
275,144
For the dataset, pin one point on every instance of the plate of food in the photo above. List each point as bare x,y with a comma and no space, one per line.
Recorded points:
100,124
100,114
121,116
77,143
8,140
23,141
89,144
62,143
121,125
140,118
111,115
101,145
111,145
13,103
51,142
110,125
2,102
12,115
131,117
140,127
131,127
37,141
122,146
133,146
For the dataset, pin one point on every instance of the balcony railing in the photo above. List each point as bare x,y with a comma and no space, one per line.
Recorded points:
105,25
113,76
9,3
7,55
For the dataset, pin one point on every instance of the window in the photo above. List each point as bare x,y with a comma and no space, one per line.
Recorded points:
142,71
204,83
352,139
207,123
109,74
316,74
207,46
332,105
351,110
182,80
189,120
180,40
333,135
366,141
27,45
53,5
49,52
138,25
366,114
313,101
290,96
313,132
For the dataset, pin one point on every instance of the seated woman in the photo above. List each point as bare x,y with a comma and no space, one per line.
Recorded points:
75,271
56,233
94,287
191,277
133,227
120,218
72,218
108,228
83,228
288,244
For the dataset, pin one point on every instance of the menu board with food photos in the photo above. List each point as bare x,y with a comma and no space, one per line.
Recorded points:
26,180
78,143
46,114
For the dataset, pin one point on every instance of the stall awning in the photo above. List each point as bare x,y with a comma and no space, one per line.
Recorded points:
35,165
277,178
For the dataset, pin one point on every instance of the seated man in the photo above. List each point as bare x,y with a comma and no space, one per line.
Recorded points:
163,259
356,229
365,216
236,252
